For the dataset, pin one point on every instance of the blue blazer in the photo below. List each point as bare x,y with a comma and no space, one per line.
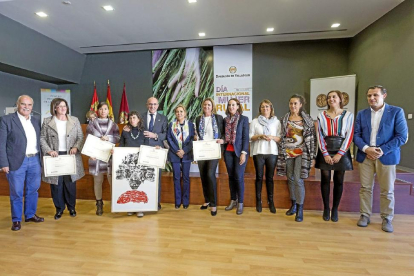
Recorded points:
242,136
13,141
392,133
187,144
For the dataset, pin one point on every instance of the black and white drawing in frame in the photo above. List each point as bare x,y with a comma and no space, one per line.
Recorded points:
134,187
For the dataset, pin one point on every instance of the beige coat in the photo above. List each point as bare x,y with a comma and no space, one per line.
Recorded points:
49,141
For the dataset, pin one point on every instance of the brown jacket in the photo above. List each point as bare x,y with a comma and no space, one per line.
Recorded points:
49,141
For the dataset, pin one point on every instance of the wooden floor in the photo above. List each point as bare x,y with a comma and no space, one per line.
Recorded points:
191,242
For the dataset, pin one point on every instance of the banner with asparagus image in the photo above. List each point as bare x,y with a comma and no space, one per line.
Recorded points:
233,77
182,76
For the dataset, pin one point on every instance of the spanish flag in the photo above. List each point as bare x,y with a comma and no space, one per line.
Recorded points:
95,101
109,102
124,109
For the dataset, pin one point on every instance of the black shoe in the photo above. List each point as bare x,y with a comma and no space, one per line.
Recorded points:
272,207
16,226
299,213
214,213
292,209
325,215
185,206
58,215
72,213
334,215
177,206
258,206
204,207
159,206
35,218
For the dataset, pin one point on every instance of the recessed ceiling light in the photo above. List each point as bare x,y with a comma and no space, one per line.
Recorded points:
270,29
192,1
41,14
201,34
335,25
108,8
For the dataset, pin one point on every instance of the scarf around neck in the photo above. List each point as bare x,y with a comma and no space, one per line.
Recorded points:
231,127
202,126
266,123
181,136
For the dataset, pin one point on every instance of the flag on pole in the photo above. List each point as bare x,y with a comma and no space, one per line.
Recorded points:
95,101
124,109
109,102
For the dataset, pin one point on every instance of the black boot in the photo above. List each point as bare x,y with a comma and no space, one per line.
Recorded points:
292,209
299,212
334,215
99,207
270,187
259,197
325,215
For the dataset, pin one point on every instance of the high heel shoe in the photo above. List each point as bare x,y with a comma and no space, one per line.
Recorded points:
334,215
214,213
233,203
204,207
325,215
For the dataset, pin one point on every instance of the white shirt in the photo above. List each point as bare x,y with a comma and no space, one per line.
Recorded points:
61,128
30,132
149,118
208,128
263,146
376,117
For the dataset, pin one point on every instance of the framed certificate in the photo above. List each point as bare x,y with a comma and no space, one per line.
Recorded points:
97,148
206,150
150,156
61,165
134,186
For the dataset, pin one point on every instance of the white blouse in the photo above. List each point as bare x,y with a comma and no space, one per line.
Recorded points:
61,128
263,146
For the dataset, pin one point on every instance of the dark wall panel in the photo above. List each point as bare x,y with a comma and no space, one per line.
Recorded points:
133,68
384,54
283,69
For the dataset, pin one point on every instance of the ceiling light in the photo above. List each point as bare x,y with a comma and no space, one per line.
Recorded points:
192,1
335,25
201,34
66,3
108,8
41,14
270,29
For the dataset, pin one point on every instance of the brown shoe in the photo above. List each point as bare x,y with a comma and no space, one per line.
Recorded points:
35,218
16,226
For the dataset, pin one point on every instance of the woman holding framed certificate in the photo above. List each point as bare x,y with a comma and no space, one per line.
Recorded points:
209,126
264,134
180,136
61,135
107,130
236,145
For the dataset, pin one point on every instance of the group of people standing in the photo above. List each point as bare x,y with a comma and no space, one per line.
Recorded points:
290,145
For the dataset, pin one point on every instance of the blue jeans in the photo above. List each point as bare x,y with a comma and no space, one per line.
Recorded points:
236,175
184,168
29,173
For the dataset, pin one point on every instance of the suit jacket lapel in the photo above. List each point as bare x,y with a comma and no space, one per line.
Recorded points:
16,120
52,124
384,116
368,120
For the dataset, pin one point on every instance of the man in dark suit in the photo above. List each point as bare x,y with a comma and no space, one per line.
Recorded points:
155,131
380,131
20,160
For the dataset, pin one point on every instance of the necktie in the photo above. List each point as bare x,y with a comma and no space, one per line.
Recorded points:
151,124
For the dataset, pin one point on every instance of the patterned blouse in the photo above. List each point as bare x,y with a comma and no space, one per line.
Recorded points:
342,126
294,139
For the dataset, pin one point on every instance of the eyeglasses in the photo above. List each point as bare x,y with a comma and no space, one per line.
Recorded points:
61,106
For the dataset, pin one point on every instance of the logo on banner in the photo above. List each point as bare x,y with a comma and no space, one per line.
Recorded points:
232,69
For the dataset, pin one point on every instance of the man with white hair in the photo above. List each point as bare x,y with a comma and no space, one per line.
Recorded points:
20,160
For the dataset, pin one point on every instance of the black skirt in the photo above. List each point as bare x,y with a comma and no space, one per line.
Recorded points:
333,144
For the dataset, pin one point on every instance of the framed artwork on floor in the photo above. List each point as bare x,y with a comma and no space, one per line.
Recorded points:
134,187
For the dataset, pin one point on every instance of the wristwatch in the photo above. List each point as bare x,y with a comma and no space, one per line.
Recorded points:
156,137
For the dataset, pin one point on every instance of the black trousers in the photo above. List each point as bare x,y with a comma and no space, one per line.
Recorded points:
260,162
208,180
64,193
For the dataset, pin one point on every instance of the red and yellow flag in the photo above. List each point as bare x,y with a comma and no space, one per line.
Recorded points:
109,102
124,109
95,101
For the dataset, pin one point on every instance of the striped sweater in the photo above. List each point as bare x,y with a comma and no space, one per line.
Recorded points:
342,126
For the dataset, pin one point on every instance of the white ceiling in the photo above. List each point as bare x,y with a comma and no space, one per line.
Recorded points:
156,24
